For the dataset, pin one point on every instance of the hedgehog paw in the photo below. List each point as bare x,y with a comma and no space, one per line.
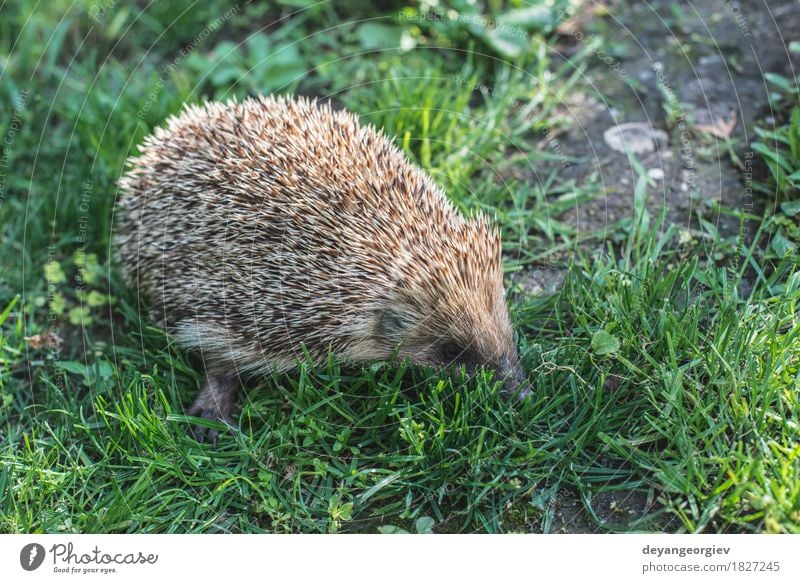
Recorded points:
215,402
207,434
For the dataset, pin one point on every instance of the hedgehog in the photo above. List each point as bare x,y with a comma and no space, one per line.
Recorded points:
265,232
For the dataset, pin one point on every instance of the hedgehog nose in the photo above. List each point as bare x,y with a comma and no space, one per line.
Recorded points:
515,384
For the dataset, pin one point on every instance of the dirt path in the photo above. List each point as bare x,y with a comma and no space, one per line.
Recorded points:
691,72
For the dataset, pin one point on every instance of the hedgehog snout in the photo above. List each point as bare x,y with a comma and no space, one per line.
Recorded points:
515,381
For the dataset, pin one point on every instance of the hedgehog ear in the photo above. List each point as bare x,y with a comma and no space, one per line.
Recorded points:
394,322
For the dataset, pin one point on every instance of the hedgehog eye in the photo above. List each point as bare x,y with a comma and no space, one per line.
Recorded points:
452,351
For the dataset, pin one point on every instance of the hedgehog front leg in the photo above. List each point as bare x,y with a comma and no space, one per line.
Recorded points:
214,402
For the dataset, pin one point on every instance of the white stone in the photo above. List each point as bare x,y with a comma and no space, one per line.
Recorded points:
638,138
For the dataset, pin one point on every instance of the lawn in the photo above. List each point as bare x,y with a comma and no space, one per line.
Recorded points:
664,362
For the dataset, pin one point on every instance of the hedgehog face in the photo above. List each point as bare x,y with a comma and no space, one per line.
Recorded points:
465,323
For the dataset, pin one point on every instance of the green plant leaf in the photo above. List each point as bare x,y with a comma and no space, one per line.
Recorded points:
424,525
772,154
532,17
258,46
508,45
781,245
604,343
53,272
790,207
74,367
96,299
781,81
105,369
58,303
80,316
391,529
372,36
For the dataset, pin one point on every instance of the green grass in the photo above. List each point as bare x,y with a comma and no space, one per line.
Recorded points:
652,374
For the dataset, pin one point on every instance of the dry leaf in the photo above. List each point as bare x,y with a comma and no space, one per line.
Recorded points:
51,340
290,472
720,129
